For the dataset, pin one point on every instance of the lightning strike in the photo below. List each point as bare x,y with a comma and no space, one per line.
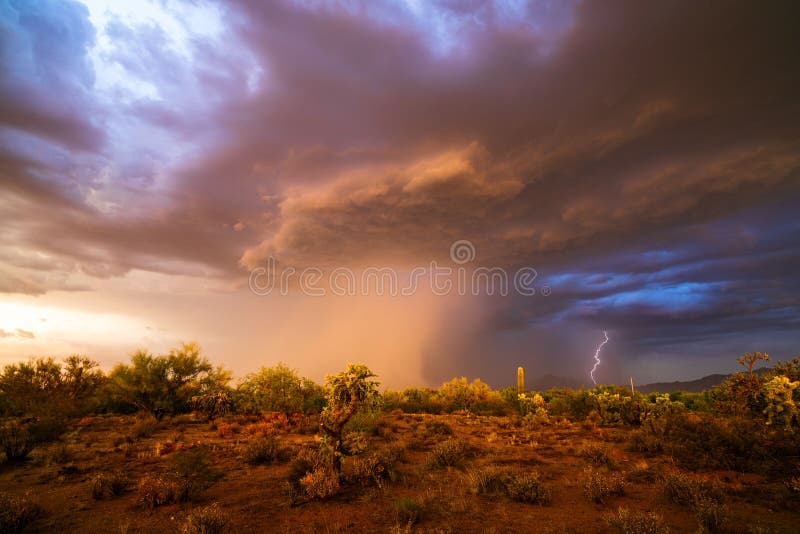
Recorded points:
597,357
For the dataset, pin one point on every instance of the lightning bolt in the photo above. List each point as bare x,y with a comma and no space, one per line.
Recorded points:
597,356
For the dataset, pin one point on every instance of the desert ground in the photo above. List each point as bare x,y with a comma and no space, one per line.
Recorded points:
436,476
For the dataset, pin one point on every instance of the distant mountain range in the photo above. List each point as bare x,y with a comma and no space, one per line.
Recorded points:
546,382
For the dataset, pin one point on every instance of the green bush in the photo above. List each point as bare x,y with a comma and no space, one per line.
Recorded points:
278,389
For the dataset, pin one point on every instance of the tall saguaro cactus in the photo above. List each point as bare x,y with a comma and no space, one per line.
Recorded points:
520,380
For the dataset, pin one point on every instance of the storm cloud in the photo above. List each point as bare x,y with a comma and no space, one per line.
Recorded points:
643,158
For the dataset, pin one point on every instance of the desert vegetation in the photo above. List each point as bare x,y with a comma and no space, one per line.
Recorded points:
170,440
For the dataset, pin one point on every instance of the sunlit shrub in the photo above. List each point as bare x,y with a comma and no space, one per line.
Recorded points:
781,408
629,522
450,453
597,486
206,520
321,483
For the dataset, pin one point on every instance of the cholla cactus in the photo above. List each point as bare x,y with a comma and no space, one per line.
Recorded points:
532,404
781,407
520,380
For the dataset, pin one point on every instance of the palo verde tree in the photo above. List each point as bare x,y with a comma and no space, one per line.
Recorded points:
347,392
166,384
278,389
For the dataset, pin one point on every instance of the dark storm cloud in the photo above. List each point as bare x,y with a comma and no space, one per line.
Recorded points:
643,157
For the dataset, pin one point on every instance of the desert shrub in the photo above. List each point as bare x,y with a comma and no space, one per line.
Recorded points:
413,400
528,487
705,441
525,487
450,453
363,421
16,513
16,440
108,484
355,443
711,515
321,483
303,464
437,428
206,520
683,489
377,468
225,430
597,486
144,427
629,522
598,455
487,481
705,498
156,490
263,451
475,396
408,511
193,473
641,472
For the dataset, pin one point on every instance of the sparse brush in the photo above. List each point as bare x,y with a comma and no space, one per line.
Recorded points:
409,511
598,454
263,451
375,469
685,490
597,487
487,481
711,515
438,428
206,520
143,428
450,453
156,490
193,472
107,485
706,498
629,522
16,513
529,488
518,486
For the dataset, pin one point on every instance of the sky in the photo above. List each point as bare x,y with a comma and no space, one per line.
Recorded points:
639,162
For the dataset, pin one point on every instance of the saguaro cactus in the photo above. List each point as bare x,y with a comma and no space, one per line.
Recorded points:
520,380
